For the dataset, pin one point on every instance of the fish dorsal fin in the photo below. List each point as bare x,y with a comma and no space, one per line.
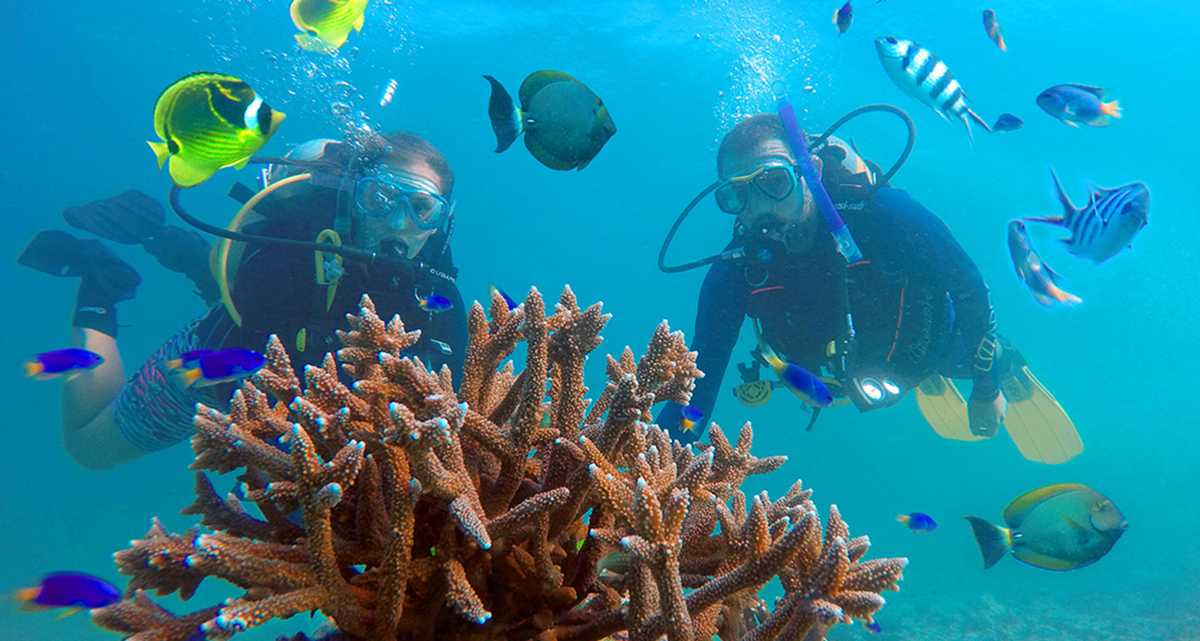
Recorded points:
539,80
1021,506
1068,206
1096,91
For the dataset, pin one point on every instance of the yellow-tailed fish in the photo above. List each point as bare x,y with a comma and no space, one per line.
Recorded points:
564,123
327,23
208,121
1057,527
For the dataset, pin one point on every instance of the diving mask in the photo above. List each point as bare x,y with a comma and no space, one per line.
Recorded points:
399,196
776,180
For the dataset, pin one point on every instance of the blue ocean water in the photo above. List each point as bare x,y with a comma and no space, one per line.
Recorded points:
83,78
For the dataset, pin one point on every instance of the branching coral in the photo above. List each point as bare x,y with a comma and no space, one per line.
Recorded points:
506,509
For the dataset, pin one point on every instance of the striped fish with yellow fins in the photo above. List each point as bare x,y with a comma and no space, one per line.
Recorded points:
327,23
208,121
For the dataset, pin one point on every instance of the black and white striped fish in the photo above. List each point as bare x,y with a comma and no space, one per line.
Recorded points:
924,76
1106,224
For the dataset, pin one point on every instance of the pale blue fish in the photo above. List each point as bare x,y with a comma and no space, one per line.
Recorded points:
1106,224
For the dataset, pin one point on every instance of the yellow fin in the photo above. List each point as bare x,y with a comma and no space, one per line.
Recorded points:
362,18
68,612
1043,561
161,152
1021,506
186,175
33,368
241,164
189,376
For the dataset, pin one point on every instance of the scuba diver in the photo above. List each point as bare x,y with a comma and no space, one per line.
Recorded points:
332,221
855,284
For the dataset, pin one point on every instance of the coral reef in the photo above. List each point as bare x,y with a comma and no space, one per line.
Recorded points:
509,508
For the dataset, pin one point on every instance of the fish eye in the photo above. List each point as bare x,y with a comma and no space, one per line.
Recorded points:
891,40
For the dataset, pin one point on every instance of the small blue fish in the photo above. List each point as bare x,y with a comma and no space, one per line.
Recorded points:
918,521
69,590
1008,122
803,383
434,303
1106,224
843,17
69,362
1041,281
512,304
691,416
220,366
873,627
1074,105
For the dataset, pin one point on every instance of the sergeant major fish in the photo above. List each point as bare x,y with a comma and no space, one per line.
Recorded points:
922,75
1106,224
1032,270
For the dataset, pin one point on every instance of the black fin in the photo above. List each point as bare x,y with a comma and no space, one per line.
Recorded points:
106,277
503,114
813,421
994,541
128,218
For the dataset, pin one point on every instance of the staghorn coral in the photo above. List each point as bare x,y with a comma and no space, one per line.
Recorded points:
506,509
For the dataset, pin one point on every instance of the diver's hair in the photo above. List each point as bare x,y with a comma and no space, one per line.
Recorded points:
747,135
405,147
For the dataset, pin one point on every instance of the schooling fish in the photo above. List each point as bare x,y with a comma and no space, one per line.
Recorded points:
1079,104
209,121
434,303
220,366
327,23
1007,122
1057,527
1033,271
690,417
842,17
1106,224
69,362
922,75
918,521
564,123
73,590
992,26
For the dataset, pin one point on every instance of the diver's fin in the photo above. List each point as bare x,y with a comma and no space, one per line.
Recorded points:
107,278
1037,424
944,409
505,116
128,218
994,541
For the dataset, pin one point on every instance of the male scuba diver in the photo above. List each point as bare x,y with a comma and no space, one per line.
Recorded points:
333,220
858,284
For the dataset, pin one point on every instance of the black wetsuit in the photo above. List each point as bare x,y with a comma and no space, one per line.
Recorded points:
919,304
275,292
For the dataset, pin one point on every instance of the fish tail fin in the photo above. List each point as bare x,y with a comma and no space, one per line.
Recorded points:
994,541
1112,108
34,368
161,152
903,518
767,352
1063,198
505,116
362,19
1001,43
26,597
188,377
982,123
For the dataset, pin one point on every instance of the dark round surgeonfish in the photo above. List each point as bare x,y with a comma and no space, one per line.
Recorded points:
1058,527
564,123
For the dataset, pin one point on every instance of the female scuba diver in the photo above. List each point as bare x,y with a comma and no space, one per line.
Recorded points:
876,303
334,220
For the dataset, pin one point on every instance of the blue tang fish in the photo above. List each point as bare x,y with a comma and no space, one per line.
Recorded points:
69,590
69,362
220,366
1106,224
918,521
1058,527
1074,105
434,303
